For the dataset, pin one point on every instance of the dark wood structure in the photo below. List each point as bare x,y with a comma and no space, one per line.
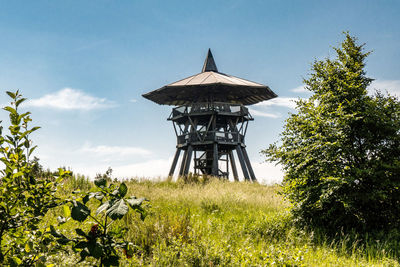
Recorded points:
211,120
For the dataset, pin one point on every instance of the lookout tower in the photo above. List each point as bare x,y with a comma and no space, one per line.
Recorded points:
210,120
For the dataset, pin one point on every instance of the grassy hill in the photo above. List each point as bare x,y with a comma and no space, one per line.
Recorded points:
228,224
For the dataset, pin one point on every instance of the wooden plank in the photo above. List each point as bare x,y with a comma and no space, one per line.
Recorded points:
233,165
251,172
174,162
188,160
214,170
183,163
242,162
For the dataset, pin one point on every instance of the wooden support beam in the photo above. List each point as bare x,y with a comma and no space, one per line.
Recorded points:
233,165
183,163
188,160
174,162
251,172
242,162
214,170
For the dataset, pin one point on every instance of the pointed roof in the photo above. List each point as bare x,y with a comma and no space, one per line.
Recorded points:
211,85
209,63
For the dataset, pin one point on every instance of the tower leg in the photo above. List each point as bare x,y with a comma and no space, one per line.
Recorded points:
233,165
183,163
242,163
188,160
215,160
174,162
251,172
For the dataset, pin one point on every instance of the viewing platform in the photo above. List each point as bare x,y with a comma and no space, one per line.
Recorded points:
208,108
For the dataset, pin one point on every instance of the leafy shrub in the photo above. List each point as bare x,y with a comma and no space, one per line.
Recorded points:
24,198
101,241
341,151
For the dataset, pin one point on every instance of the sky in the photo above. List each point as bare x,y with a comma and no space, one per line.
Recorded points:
84,65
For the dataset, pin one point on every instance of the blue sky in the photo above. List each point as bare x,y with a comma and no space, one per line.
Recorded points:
85,64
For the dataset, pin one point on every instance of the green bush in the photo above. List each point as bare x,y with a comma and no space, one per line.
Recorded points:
341,151
24,197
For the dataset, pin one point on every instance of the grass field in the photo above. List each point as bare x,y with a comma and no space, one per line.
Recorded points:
228,224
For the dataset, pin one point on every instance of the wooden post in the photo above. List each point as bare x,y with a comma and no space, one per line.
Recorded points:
183,163
233,165
242,163
215,160
246,158
188,160
174,162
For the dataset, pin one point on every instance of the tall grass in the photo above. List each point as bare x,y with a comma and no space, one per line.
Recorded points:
217,223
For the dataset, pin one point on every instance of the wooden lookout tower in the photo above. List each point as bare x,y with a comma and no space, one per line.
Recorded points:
210,120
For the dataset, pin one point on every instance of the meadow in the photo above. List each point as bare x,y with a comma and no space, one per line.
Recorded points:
220,223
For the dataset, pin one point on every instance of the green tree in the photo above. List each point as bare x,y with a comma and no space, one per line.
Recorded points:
24,198
341,150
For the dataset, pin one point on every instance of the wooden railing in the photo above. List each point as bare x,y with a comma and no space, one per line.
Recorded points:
217,136
198,108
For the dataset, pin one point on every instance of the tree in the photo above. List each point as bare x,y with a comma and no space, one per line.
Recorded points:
341,151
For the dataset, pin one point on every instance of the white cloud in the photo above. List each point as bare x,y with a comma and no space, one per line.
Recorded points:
151,169
102,150
391,86
300,89
267,172
288,102
263,114
133,100
70,99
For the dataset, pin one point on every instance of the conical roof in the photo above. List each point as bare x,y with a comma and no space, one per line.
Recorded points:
211,85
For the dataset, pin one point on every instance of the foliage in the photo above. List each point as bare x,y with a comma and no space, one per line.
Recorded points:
101,241
24,198
341,151
231,224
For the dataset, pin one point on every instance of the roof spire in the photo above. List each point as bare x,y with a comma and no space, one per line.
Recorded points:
209,63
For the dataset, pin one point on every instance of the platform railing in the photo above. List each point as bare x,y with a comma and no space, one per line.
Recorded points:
234,109
218,136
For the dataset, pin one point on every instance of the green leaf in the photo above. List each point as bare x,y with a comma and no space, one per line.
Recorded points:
10,109
135,202
84,253
67,211
100,182
103,207
19,101
35,128
63,240
11,94
79,211
81,244
99,196
95,249
117,210
122,190
80,232
85,199
111,261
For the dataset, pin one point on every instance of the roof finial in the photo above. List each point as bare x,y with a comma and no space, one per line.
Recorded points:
209,63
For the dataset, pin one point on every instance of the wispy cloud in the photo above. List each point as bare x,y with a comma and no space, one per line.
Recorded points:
133,100
71,99
119,151
300,89
258,113
391,86
288,102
